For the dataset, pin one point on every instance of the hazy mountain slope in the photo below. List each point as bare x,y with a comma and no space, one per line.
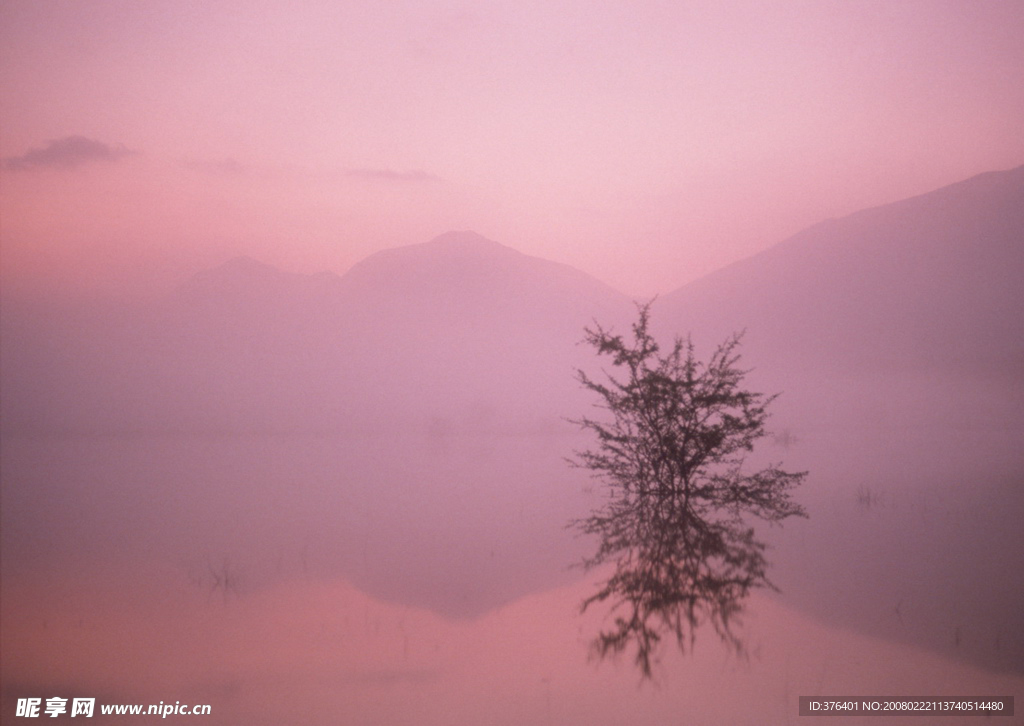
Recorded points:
465,331
896,336
460,331
931,282
467,327
461,299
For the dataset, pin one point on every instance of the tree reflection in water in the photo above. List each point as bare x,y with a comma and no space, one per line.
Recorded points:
675,523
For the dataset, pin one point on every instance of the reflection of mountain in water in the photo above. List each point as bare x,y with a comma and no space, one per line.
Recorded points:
329,652
895,336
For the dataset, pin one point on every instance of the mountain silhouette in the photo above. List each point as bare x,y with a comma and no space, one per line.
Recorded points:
464,331
459,331
930,282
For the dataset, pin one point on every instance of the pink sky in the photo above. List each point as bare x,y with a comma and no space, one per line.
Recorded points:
645,143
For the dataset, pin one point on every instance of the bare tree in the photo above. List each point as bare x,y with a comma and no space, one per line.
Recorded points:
675,521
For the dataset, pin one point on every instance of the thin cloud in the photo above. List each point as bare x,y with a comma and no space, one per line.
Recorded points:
223,167
232,167
391,175
67,153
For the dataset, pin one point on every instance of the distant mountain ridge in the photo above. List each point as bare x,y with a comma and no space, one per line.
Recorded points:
928,282
462,324
467,258
458,269
459,331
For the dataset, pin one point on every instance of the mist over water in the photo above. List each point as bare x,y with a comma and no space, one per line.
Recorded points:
456,524
424,579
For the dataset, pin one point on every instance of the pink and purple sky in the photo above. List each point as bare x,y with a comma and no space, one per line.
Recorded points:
645,143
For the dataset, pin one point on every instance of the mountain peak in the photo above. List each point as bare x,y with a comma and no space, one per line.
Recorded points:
462,239
463,270
446,255
465,244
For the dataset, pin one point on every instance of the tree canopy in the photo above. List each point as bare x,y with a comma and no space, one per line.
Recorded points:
675,523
